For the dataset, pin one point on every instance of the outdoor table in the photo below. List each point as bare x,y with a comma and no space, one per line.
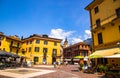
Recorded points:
115,69
2,66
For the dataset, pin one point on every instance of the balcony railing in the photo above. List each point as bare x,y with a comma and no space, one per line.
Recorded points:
107,20
15,45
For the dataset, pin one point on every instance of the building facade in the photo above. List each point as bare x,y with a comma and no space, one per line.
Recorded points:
40,49
105,26
78,49
10,43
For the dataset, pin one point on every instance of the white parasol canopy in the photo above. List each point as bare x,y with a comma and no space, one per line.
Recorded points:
113,56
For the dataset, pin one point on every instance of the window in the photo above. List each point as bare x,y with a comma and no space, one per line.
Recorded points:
1,38
37,41
118,12
100,39
36,59
36,49
23,52
44,55
11,43
27,43
29,49
96,9
55,43
119,28
44,50
84,54
3,49
17,51
45,42
54,51
26,49
0,43
18,44
98,23
30,42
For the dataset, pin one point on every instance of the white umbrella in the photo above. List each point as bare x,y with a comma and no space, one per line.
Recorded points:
113,56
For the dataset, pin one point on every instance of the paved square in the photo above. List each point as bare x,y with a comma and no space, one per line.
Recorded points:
24,72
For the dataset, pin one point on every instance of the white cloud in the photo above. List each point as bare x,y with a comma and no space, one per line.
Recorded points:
60,33
76,40
71,35
87,34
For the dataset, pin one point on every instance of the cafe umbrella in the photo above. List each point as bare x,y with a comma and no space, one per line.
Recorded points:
8,54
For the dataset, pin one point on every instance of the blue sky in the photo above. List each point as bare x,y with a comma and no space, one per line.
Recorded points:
57,18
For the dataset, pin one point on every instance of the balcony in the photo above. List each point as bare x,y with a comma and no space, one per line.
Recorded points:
109,20
15,46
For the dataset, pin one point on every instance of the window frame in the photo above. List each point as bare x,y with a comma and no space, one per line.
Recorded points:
55,43
36,49
118,12
29,49
45,42
96,10
100,38
98,24
37,41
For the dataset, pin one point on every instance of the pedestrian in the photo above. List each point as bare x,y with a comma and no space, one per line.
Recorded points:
59,63
66,63
54,64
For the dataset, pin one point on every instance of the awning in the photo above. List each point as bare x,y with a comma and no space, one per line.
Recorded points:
106,52
67,59
76,59
113,56
79,57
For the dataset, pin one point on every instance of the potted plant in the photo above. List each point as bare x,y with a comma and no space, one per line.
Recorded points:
101,69
81,66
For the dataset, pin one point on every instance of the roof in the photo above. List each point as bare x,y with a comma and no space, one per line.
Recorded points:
80,43
44,37
93,4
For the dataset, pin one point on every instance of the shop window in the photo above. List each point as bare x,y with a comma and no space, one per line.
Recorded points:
36,59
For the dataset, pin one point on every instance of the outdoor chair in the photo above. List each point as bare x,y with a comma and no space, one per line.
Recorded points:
93,70
2,66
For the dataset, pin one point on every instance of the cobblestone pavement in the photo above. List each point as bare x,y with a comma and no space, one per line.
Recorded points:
69,71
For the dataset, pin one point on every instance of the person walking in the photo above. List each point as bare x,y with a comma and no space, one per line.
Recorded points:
54,64
59,63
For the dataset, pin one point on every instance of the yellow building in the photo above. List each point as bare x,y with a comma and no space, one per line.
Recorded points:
105,26
36,48
10,43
